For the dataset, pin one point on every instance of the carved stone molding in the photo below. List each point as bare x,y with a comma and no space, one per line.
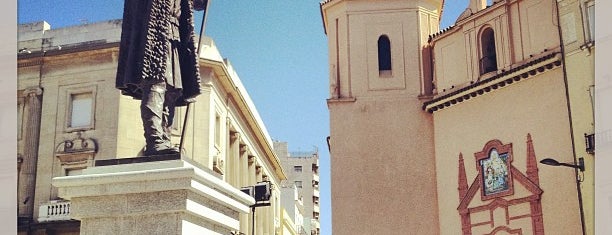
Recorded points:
33,91
77,153
234,136
244,149
77,145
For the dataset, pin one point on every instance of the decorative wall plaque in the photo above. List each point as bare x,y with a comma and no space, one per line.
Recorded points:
496,180
493,164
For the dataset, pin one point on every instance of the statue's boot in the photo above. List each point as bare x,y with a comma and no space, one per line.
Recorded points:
154,115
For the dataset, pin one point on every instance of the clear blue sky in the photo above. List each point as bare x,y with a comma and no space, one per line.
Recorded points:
278,49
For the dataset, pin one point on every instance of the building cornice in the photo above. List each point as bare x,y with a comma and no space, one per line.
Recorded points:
521,72
234,92
36,57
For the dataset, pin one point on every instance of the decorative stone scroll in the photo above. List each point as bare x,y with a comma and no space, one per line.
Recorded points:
77,153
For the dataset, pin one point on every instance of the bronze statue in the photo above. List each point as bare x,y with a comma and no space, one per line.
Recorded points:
158,64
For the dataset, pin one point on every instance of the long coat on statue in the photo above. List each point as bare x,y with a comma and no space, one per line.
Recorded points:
143,49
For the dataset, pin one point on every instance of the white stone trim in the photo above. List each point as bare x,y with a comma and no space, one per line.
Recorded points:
155,171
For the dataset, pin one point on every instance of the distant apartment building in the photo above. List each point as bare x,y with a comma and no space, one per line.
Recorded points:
70,115
293,205
302,170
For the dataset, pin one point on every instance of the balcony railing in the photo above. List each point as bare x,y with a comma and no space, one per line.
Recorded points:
315,177
301,230
54,211
315,223
590,143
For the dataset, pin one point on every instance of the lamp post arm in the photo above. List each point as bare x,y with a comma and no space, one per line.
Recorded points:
580,165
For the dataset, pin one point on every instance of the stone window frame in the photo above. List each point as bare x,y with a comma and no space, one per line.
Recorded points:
589,20
70,92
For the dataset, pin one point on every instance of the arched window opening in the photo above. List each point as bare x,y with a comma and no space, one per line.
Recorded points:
488,61
384,55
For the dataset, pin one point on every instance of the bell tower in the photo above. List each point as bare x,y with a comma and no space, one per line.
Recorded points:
382,150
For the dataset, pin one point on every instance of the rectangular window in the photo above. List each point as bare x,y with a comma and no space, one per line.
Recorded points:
590,12
568,27
81,110
298,184
217,130
297,168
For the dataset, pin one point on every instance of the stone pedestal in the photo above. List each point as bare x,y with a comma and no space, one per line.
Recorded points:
163,197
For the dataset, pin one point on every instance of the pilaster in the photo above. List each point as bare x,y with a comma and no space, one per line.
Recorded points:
30,152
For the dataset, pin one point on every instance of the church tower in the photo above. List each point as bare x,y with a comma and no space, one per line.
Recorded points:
381,140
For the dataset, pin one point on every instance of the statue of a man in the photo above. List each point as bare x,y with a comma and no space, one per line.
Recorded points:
158,64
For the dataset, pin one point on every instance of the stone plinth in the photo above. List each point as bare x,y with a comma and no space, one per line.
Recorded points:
163,197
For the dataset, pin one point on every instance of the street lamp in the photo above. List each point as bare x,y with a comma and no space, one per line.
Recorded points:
553,162
580,166
261,192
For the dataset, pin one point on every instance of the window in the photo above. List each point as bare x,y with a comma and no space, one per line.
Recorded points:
488,59
384,55
298,184
590,12
217,130
81,110
297,168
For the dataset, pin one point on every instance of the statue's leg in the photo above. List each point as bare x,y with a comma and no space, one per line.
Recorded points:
168,115
152,113
173,74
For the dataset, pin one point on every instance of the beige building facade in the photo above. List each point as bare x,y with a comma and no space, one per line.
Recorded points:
373,142
71,115
302,170
446,128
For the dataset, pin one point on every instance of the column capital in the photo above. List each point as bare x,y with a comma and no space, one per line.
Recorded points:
244,149
33,91
234,136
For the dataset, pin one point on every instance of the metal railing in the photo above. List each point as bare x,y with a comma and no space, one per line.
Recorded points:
488,64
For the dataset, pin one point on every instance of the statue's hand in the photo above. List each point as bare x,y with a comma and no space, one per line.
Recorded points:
199,5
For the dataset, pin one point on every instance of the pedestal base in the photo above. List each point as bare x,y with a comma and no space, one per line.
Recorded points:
158,197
